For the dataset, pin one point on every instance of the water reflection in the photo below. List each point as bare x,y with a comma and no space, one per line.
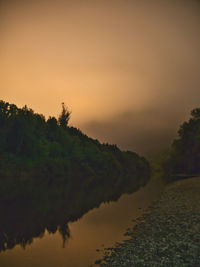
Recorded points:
100,226
51,208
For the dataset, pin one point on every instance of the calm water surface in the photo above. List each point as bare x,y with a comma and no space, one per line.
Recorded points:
100,227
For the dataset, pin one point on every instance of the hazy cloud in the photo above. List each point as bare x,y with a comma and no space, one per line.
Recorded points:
128,69
144,132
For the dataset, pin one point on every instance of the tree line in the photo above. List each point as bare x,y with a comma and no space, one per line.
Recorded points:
33,148
184,156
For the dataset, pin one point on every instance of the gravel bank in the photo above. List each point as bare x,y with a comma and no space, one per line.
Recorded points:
168,236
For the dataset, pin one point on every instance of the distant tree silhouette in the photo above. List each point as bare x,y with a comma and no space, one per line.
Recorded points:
64,117
185,155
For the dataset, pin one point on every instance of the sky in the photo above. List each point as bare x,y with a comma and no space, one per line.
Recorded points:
129,70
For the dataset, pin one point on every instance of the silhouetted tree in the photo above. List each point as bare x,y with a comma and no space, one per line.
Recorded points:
185,155
64,117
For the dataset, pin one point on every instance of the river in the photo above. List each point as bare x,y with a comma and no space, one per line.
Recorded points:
100,227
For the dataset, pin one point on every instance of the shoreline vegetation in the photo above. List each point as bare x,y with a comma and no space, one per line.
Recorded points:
35,147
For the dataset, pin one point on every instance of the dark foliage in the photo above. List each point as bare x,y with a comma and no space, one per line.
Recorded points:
32,147
184,160
64,117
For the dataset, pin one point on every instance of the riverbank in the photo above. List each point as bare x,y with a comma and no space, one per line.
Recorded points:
167,236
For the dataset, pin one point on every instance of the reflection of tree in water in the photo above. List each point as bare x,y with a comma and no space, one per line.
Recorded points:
65,233
8,242
29,216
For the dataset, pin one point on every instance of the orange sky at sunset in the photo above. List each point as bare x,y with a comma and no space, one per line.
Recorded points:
128,70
